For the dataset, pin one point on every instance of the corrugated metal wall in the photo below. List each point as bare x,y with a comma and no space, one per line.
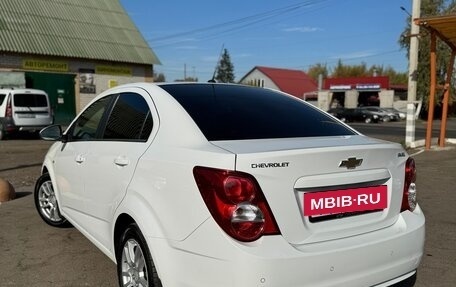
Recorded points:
98,29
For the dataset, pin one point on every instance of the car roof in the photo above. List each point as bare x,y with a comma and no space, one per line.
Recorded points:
199,127
22,91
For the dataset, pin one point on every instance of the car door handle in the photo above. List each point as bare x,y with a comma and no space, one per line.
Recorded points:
79,158
122,161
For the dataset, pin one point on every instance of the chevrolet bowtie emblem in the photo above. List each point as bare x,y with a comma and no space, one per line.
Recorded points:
351,163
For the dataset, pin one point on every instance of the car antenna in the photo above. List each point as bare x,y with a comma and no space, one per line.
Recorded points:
216,66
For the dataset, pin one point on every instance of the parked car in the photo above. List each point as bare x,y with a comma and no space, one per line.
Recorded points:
381,113
357,115
400,115
205,184
339,113
23,110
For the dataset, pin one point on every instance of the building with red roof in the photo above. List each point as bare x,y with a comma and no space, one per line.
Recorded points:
353,92
293,82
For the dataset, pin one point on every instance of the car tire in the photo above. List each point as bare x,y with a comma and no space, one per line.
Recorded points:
2,133
135,266
367,120
46,202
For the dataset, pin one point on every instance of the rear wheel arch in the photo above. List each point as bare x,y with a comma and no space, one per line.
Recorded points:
140,266
140,211
45,170
122,222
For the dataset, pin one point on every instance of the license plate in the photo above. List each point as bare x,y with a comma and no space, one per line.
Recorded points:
345,200
28,116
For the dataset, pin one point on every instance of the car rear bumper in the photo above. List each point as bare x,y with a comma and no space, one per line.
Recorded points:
31,128
210,258
10,126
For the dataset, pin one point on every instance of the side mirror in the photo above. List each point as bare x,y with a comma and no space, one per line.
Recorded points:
52,133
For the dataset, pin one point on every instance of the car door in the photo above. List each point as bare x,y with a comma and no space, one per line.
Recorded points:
70,160
111,161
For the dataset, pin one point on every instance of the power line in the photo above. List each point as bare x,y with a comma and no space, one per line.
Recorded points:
351,59
220,29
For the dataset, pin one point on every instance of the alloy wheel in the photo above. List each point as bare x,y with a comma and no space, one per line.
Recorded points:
134,269
48,202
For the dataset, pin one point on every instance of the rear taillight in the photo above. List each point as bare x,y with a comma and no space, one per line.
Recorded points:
409,196
9,109
236,202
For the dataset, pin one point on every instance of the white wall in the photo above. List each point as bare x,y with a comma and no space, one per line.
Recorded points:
257,75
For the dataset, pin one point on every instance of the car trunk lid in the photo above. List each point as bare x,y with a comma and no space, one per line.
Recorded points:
288,169
31,109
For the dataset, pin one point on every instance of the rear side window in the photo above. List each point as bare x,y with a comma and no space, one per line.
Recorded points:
30,100
229,112
130,119
2,98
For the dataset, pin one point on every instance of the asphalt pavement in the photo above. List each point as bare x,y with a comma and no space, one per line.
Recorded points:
395,131
35,254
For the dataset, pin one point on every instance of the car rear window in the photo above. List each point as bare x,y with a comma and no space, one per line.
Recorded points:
30,100
230,112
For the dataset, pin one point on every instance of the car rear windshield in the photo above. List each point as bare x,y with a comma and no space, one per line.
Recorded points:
231,112
30,100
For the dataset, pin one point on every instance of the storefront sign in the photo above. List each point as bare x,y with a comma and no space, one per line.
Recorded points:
367,86
340,87
112,83
55,66
113,70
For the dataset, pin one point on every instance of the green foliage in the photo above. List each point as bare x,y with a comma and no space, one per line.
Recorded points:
345,71
395,78
159,78
225,69
443,52
318,69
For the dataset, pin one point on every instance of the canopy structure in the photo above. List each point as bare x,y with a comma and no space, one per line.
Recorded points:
443,27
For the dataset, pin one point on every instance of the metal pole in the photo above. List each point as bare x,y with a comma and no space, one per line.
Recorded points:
413,67
445,99
432,92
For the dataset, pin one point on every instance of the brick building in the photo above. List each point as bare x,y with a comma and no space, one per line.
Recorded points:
72,49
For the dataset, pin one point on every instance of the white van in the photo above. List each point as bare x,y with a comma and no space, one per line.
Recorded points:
23,110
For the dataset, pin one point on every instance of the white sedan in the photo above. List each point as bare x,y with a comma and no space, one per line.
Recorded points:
205,184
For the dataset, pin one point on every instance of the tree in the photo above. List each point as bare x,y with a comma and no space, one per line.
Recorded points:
225,69
159,77
429,8
395,78
344,71
361,70
318,69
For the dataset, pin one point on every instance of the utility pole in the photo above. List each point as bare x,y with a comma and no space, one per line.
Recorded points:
413,71
185,72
